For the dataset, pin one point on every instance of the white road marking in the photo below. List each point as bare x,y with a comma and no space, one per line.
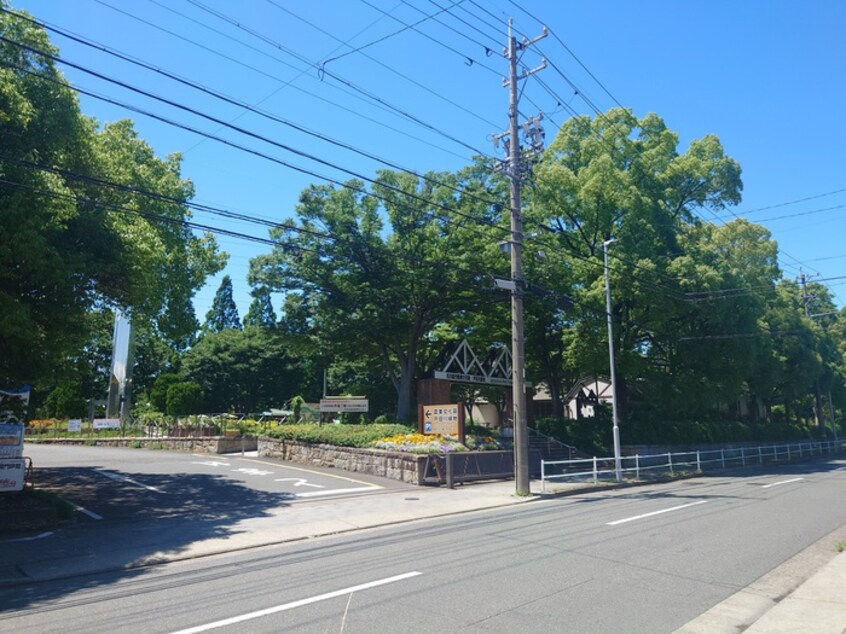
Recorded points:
253,471
300,482
211,463
295,604
27,539
335,492
775,484
288,467
90,514
120,478
638,517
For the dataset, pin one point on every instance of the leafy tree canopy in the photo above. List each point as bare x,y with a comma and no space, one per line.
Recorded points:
76,231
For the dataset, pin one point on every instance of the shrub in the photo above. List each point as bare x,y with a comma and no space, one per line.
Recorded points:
338,435
184,398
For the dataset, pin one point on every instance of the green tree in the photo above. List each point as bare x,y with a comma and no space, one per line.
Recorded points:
260,313
78,228
161,386
184,398
242,371
224,313
617,175
372,291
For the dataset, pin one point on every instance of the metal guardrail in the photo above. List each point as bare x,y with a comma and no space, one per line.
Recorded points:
596,469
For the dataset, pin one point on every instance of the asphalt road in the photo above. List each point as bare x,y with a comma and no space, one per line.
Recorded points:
109,484
637,560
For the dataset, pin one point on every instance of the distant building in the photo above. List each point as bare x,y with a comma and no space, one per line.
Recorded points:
585,395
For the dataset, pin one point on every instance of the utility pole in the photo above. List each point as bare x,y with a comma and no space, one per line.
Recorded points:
818,413
514,170
615,413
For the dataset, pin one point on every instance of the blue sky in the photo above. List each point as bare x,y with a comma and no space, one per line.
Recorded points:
767,77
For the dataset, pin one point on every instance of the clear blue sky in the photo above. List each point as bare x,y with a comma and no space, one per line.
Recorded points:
767,77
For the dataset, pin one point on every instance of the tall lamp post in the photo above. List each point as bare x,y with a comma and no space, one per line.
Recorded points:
617,468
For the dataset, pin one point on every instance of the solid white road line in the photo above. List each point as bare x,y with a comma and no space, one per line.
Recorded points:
295,604
120,478
775,484
638,517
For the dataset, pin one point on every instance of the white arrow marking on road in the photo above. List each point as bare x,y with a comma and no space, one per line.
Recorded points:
211,463
775,484
252,471
300,482
638,517
295,604
120,478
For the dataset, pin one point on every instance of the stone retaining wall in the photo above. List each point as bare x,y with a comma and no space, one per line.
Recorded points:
404,467
200,444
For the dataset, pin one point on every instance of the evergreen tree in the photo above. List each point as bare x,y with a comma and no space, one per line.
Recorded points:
224,313
261,312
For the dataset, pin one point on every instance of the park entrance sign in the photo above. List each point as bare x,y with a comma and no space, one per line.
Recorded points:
340,404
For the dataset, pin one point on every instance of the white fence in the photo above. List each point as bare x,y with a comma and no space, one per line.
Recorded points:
596,469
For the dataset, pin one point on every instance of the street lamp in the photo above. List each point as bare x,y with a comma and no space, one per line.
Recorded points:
614,414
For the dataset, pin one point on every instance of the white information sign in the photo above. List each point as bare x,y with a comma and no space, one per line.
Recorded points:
106,423
342,404
75,425
12,474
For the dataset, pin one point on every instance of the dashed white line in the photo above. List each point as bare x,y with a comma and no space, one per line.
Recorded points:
775,484
296,604
638,517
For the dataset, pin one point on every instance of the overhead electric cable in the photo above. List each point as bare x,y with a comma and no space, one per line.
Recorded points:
263,113
405,27
221,122
335,76
275,78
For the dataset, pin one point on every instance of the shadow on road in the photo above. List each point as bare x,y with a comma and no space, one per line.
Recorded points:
138,527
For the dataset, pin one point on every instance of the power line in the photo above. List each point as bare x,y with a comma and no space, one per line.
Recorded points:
250,108
572,54
324,72
405,27
228,125
276,79
440,43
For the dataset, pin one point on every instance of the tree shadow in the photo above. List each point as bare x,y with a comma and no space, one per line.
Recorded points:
137,526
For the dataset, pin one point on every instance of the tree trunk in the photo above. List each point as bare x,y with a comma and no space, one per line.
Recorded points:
405,390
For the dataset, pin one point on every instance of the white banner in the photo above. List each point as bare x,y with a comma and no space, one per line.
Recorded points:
75,425
12,474
106,423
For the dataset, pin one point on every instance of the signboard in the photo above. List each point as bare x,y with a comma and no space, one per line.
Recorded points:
75,425
459,377
446,420
12,474
106,423
11,440
343,404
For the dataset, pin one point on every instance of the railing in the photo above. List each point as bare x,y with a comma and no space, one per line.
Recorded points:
547,444
597,469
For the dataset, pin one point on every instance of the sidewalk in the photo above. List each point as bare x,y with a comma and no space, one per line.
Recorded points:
806,594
